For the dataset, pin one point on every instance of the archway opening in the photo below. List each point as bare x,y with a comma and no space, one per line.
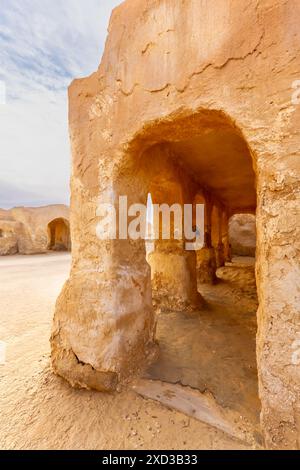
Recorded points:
59,235
205,318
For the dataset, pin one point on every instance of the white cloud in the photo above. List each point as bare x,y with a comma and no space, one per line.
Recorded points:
43,46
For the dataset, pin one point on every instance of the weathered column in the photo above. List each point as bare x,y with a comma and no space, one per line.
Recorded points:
216,231
206,259
225,236
103,328
173,277
173,268
220,257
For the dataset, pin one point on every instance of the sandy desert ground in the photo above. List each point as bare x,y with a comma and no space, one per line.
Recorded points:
41,411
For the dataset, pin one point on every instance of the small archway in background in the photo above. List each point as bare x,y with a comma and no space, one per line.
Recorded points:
59,235
242,234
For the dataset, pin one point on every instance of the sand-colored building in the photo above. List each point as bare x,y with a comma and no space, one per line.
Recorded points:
31,230
192,99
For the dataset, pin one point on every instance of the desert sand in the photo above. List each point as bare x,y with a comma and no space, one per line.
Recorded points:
39,410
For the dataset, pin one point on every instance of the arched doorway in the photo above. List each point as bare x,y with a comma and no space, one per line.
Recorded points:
174,160
59,235
206,335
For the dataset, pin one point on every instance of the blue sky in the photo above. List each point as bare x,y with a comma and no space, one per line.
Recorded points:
44,44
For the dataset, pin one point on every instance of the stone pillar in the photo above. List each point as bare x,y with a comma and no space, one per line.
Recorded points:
216,223
225,236
104,324
173,268
108,298
206,259
173,277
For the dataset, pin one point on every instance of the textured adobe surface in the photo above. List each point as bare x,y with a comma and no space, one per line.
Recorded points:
175,73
